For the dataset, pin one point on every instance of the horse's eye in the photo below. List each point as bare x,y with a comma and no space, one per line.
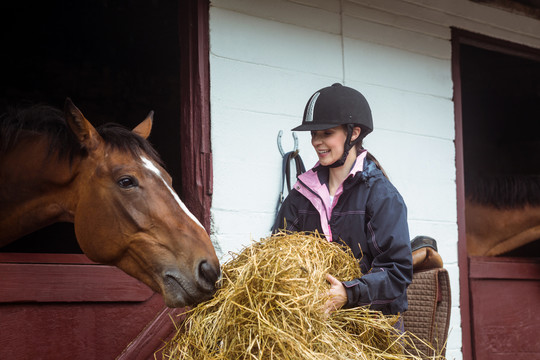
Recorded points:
127,182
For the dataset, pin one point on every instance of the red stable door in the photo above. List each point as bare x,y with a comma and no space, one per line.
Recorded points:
505,301
67,307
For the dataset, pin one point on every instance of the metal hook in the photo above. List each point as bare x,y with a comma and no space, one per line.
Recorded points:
280,134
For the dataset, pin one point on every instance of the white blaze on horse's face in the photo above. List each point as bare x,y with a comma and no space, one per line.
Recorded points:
150,166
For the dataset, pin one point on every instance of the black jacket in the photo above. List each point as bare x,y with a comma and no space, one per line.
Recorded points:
367,214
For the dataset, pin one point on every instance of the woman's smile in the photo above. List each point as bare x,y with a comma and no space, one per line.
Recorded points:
329,144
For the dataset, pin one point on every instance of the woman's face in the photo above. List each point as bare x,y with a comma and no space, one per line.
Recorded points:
329,144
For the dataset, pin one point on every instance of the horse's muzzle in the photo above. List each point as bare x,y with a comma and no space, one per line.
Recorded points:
207,275
179,290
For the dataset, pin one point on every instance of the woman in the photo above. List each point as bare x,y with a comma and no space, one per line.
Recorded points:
348,197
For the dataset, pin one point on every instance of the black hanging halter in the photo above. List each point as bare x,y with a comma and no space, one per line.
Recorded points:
286,173
286,168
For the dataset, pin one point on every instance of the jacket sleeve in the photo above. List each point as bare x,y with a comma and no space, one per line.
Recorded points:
384,286
287,217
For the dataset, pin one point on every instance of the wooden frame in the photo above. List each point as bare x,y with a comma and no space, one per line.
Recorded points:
526,8
196,153
76,279
469,267
460,183
504,268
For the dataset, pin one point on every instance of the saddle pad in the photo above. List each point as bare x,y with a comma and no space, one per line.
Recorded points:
428,315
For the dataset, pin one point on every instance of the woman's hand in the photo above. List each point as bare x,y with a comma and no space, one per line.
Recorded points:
338,295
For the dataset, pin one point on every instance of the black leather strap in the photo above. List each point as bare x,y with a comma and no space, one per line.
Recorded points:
422,241
286,173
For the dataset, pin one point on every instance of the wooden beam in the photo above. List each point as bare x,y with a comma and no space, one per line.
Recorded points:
463,259
196,155
23,282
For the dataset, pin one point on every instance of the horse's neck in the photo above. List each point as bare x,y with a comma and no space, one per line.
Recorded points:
36,189
492,231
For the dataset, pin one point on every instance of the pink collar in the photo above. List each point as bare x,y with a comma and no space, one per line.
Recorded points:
308,184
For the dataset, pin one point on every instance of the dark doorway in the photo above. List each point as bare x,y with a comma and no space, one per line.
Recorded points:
116,60
497,108
501,119
500,95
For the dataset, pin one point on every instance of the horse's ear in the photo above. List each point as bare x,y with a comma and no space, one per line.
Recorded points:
83,130
144,128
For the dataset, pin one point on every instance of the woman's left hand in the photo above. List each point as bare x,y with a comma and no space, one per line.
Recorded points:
338,295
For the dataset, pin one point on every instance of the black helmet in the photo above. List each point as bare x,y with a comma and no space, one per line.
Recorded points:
338,105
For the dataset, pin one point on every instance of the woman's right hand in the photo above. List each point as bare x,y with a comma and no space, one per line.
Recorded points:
337,293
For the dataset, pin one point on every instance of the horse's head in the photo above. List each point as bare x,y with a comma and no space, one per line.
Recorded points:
128,214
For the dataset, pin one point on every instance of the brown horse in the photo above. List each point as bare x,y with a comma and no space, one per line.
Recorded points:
109,181
502,214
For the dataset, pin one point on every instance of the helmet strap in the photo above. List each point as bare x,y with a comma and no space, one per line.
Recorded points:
346,147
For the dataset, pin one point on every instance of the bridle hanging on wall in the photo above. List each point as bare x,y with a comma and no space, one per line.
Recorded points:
286,167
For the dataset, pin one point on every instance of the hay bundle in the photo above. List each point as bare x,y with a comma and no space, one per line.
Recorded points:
270,306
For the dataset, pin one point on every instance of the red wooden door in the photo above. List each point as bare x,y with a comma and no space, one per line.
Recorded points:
505,298
71,310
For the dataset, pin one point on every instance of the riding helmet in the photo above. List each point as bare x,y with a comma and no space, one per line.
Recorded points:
338,105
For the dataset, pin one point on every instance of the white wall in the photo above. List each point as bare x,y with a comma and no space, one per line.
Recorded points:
268,57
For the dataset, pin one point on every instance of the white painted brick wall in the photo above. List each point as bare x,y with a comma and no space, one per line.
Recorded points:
268,57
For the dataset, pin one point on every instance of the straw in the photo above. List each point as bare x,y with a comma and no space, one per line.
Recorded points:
270,306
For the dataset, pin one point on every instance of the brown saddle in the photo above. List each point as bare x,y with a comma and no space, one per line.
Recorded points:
428,316
425,254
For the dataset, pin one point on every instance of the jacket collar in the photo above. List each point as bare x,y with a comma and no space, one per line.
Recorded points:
318,175
315,190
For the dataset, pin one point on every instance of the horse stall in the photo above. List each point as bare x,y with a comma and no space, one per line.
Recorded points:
501,153
64,292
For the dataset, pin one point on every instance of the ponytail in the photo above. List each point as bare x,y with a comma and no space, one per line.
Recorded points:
372,158
360,147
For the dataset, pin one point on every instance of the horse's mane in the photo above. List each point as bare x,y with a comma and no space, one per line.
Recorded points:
50,122
121,138
504,191
40,119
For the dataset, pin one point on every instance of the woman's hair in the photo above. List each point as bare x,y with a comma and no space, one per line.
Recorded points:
359,148
370,156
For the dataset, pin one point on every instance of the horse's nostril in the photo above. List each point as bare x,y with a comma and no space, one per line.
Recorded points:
208,274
